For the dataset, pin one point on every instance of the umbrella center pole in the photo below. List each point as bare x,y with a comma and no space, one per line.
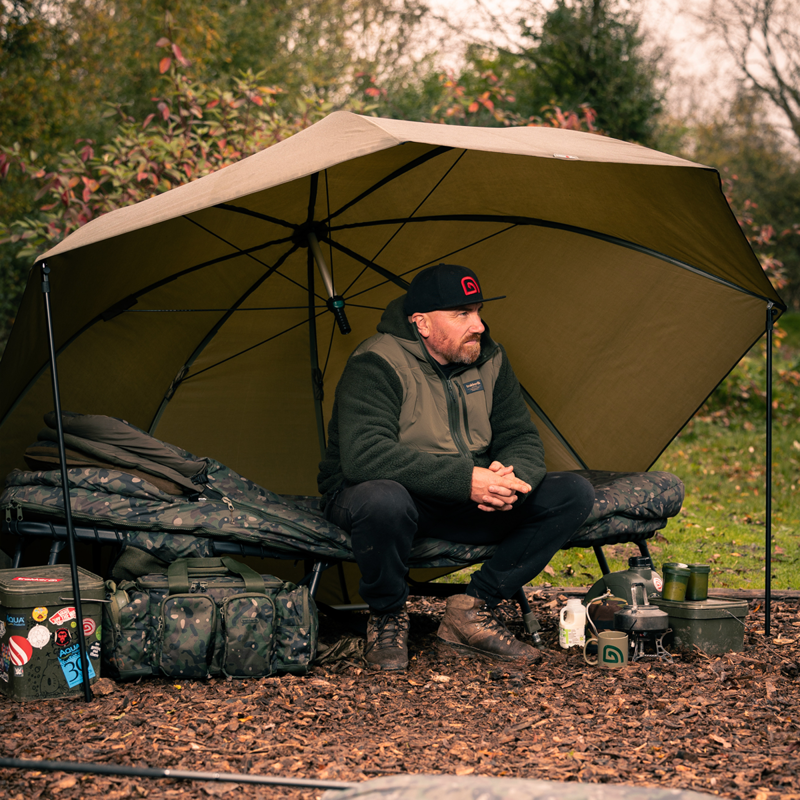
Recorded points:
335,301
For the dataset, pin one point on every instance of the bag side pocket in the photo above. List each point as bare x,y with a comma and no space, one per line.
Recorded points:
249,625
297,630
188,626
127,633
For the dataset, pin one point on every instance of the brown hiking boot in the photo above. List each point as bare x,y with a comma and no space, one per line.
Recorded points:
469,624
387,641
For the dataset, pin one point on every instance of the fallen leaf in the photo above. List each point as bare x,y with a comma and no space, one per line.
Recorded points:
465,770
64,783
216,789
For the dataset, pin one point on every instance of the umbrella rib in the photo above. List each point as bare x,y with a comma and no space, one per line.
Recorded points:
247,349
169,394
208,310
257,214
248,252
387,274
396,279
561,226
411,215
127,302
549,423
417,162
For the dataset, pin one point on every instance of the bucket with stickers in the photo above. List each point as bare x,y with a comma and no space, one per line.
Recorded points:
39,640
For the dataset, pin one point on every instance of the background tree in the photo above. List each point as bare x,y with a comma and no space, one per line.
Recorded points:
82,53
583,53
762,181
763,39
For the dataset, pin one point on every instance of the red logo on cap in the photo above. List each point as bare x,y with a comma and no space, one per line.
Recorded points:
470,285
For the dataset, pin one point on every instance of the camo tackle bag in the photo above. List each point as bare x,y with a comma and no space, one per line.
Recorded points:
206,617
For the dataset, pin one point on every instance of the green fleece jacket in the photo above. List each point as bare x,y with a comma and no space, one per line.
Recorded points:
398,416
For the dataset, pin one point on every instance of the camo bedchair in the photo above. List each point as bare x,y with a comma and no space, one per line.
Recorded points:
157,502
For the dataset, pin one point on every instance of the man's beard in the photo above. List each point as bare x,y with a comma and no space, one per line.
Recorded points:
464,352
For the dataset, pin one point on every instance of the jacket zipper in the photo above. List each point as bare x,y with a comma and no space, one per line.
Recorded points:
455,421
463,396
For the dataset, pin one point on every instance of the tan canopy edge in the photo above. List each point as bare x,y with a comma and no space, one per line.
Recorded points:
199,314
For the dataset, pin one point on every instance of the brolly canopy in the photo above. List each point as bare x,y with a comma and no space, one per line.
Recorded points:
200,316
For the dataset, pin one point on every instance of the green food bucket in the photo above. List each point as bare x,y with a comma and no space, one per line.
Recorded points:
676,579
39,636
714,626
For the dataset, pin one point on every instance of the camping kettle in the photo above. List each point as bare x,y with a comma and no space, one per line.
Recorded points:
640,570
600,612
641,619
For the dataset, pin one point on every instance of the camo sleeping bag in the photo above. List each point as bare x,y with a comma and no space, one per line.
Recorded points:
172,504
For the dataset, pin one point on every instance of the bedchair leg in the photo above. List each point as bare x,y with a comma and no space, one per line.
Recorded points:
601,559
532,625
55,551
17,559
343,583
316,573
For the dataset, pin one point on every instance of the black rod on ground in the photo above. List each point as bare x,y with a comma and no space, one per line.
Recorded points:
178,774
768,512
62,453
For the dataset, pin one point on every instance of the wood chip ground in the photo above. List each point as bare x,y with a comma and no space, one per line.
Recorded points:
726,725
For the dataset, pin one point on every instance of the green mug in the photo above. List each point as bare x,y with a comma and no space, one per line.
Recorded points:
612,650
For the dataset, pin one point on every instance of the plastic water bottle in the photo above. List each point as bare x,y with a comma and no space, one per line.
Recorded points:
572,625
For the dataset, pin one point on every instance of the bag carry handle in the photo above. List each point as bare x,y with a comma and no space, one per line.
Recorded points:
178,573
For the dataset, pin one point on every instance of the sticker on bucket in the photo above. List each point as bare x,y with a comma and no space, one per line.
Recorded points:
40,613
20,650
89,626
38,580
70,660
39,636
62,616
657,582
63,638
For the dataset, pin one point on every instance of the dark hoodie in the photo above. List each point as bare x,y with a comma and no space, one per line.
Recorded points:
398,416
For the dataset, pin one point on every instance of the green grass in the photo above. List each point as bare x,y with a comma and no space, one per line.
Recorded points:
721,458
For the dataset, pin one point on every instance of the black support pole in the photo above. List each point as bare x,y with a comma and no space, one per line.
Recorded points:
76,592
768,512
175,774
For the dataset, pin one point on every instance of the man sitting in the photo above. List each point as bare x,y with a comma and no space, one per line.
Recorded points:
430,437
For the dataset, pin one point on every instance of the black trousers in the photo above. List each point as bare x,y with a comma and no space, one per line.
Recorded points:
383,520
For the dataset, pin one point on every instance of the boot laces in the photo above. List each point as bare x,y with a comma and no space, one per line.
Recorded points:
391,629
490,619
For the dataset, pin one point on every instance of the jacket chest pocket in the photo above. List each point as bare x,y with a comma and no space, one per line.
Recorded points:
474,411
